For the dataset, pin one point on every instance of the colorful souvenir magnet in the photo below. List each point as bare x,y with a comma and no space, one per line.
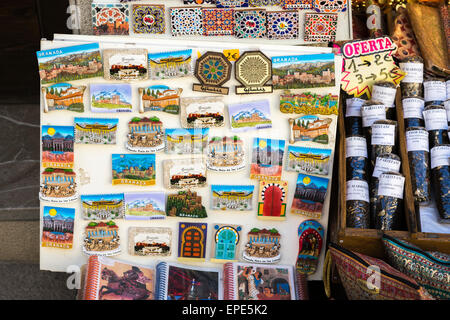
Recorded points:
125,64
330,6
63,96
70,63
101,239
282,24
186,21
218,21
185,141
252,115
263,246
186,204
262,3
267,159
110,18
207,112
272,200
250,23
199,1
320,27
296,4
192,241
145,135
102,206
184,173
160,98
309,103
308,160
57,227
58,185
231,3
145,206
149,19
95,130
310,243
226,154
111,97
150,242
134,169
232,197
226,243
57,147
253,70
172,64
213,70
310,194
310,128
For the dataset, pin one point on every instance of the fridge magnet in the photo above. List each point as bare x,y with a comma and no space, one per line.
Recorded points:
202,112
232,197
310,233
149,19
303,71
253,70
145,206
263,246
250,23
309,196
213,70
225,154
263,3
192,241
282,24
95,130
185,141
150,242
61,65
231,3
125,64
145,135
320,27
252,115
218,21
186,21
111,97
160,98
63,96
308,160
272,200
199,1
57,227
309,128
186,204
110,18
101,239
58,185
226,243
330,6
297,4
267,159
134,169
102,206
309,103
173,64
57,147
184,173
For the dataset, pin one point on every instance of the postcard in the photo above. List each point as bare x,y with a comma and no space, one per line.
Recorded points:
145,135
185,141
310,194
184,173
310,128
172,64
150,241
226,243
232,197
110,18
134,169
63,96
226,154
263,246
57,147
272,200
57,227
125,64
102,206
145,205
308,160
205,112
250,116
309,103
101,239
192,241
58,185
186,204
267,159
160,98
111,97
95,130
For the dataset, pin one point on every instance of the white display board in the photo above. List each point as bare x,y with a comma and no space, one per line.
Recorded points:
95,160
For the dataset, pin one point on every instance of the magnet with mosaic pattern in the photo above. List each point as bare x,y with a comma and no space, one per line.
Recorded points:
330,6
250,23
149,19
282,24
186,21
218,21
110,19
253,70
296,4
320,27
213,70
231,3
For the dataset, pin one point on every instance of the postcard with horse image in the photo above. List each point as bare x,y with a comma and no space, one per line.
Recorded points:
57,227
57,147
145,205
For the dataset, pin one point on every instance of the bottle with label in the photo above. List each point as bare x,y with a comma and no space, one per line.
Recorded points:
434,91
384,92
357,204
371,111
353,119
412,83
383,138
356,158
390,201
435,118
412,111
440,177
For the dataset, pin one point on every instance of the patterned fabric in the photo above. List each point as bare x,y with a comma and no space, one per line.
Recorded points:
330,6
320,27
250,23
110,19
186,21
430,269
149,19
282,24
218,22
297,4
403,36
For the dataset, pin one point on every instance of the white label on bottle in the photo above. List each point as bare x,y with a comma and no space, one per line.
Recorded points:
391,185
435,91
417,140
440,156
357,190
414,72
448,88
435,119
383,134
385,165
354,107
370,114
355,147
413,108
385,95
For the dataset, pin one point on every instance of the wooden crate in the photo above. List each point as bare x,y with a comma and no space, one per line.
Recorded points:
368,241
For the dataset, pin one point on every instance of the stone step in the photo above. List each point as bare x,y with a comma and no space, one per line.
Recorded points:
19,241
